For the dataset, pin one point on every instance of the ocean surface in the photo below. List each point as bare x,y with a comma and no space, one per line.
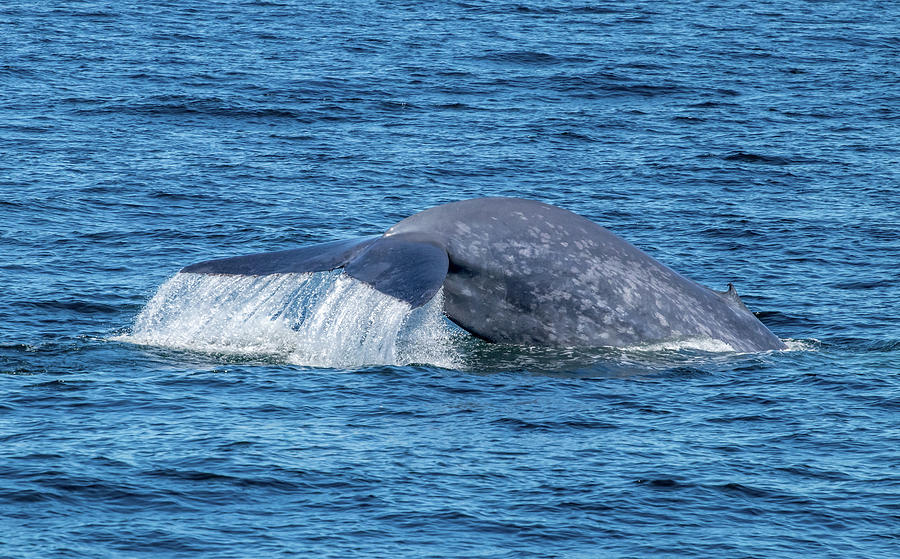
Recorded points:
147,414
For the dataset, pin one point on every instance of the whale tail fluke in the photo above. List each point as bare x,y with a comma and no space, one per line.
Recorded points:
409,270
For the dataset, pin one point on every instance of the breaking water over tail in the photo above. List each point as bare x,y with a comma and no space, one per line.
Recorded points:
330,320
316,319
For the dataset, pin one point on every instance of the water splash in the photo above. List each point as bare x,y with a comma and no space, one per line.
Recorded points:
702,344
810,344
323,320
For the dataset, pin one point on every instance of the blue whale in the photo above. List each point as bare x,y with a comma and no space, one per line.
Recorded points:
525,272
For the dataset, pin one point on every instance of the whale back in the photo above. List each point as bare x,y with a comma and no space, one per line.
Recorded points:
522,271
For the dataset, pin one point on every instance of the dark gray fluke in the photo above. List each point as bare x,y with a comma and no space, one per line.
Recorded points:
521,271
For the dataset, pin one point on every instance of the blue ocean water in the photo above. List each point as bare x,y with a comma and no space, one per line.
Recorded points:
753,143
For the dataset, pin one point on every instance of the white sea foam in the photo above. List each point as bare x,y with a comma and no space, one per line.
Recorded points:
324,320
705,344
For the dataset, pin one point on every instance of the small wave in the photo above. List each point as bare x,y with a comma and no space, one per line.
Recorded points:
811,344
865,284
605,84
457,106
521,57
178,105
763,159
85,307
885,346
322,320
15,71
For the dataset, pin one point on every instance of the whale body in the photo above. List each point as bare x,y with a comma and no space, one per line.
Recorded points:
525,272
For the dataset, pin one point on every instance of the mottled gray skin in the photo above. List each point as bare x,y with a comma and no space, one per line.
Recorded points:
526,272
520,271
